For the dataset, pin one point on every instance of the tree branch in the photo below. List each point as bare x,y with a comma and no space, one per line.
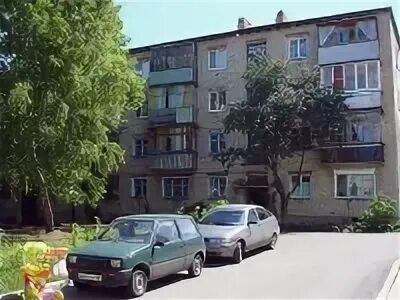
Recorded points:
298,176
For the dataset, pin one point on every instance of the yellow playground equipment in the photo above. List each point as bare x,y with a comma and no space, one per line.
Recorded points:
39,260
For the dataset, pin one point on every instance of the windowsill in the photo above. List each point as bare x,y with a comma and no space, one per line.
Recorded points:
143,117
355,198
299,198
361,91
139,156
216,69
297,58
217,111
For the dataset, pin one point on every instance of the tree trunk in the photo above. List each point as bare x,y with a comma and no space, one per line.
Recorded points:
147,208
47,210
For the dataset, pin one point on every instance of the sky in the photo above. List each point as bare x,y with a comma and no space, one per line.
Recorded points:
149,22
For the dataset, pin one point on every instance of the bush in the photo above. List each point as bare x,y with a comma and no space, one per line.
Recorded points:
380,216
200,209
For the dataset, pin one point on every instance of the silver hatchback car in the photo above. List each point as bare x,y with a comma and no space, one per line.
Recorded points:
232,230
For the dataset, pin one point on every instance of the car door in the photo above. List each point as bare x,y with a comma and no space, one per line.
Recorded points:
265,225
168,253
255,230
192,239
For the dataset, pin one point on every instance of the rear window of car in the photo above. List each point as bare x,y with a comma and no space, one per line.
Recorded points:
224,218
187,229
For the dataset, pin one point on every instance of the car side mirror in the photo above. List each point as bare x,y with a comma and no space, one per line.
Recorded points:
251,222
159,244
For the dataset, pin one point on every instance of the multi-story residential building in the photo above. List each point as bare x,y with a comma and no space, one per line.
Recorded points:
171,140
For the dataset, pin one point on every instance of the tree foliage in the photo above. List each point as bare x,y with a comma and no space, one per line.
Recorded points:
286,112
380,216
69,85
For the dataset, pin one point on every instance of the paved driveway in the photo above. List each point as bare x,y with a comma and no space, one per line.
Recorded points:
303,265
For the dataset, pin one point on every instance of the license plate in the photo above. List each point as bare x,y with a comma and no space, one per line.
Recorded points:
91,277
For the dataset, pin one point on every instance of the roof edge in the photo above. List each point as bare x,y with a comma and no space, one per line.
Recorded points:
274,25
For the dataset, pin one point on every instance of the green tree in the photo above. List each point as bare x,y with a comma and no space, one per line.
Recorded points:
68,87
286,112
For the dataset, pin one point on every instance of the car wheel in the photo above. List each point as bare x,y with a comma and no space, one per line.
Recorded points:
273,241
137,285
196,267
80,285
238,253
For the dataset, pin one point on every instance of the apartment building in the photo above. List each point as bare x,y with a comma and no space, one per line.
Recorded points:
171,139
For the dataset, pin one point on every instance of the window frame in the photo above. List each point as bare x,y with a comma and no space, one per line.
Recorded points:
355,172
144,144
182,187
218,95
255,213
210,196
254,43
220,133
355,64
301,197
140,115
297,39
216,50
133,191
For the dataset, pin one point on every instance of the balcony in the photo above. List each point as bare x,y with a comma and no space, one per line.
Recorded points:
353,153
172,65
175,161
171,116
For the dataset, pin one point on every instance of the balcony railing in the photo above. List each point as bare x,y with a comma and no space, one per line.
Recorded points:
353,153
175,115
175,161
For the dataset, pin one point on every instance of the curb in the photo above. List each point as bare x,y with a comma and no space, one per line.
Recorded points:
59,284
394,271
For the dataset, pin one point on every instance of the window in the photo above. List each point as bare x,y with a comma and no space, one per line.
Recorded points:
140,148
256,51
216,101
176,187
347,35
138,187
352,76
224,217
217,186
252,216
262,213
217,141
217,59
302,190
298,48
143,68
167,232
355,183
364,128
187,229
143,111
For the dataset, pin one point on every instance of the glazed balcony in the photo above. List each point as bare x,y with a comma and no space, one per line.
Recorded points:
171,116
346,153
172,65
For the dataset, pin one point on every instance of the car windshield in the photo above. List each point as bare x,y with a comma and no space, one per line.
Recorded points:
224,218
134,231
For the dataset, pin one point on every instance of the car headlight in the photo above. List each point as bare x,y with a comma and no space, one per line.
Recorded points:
116,263
72,259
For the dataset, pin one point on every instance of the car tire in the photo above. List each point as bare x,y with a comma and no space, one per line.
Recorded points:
238,253
273,241
137,284
197,266
79,285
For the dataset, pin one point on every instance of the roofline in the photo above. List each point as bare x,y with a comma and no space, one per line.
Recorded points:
249,30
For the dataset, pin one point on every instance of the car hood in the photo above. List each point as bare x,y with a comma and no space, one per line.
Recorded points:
118,249
223,232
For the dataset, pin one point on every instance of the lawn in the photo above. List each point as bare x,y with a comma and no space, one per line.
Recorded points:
12,253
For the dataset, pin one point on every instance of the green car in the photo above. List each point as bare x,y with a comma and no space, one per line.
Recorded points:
136,249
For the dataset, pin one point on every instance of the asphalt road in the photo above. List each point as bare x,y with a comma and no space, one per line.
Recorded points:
303,265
